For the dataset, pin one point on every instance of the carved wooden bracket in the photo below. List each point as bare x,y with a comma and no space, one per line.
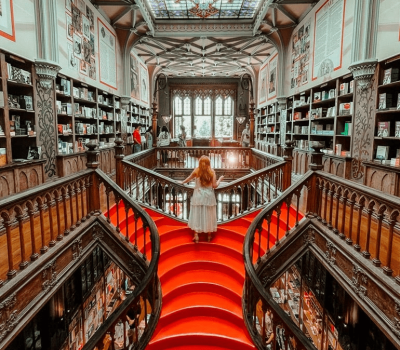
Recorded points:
46,72
363,73
49,274
359,281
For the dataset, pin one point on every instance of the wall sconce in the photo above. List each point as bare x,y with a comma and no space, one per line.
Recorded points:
166,119
240,120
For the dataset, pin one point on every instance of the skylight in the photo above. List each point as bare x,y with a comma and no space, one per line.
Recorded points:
210,9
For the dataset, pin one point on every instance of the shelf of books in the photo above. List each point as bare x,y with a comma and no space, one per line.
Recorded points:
85,114
383,172
18,141
137,115
267,133
322,114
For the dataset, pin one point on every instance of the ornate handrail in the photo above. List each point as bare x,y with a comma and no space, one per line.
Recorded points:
241,196
258,244
62,210
220,157
365,219
261,159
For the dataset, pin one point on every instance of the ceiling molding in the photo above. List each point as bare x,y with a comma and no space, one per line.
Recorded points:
146,16
261,15
200,29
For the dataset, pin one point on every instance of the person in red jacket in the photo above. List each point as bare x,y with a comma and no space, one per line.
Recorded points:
137,139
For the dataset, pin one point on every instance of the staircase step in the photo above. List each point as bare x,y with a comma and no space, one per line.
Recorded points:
202,320
202,271
202,294
199,342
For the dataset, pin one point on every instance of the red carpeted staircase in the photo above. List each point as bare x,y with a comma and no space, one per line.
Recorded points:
202,285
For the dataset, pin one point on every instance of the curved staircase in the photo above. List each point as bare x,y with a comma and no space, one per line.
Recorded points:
202,285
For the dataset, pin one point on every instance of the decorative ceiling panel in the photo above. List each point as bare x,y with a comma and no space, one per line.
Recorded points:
210,9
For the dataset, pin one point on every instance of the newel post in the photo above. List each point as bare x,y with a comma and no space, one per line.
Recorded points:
154,123
287,170
119,156
93,163
313,192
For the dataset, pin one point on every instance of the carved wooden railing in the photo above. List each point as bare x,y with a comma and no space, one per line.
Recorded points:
237,198
261,159
363,218
41,224
220,157
159,192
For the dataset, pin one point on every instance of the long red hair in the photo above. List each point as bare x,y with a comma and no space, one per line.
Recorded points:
204,171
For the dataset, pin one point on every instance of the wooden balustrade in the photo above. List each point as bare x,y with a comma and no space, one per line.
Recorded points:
33,222
260,160
36,219
365,219
188,157
241,196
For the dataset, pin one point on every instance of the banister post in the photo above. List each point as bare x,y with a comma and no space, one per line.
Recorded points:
287,170
312,196
251,120
119,156
154,120
94,187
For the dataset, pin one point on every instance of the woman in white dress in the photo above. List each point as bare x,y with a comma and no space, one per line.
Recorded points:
203,206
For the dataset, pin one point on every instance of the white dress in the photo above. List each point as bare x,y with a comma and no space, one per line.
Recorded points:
203,209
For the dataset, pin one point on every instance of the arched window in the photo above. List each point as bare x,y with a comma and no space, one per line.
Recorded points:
182,115
202,118
223,117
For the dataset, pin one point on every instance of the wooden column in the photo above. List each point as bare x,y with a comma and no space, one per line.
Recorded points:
251,119
154,123
119,156
287,171
94,187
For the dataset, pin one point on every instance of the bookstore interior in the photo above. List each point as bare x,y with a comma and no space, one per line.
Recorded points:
82,75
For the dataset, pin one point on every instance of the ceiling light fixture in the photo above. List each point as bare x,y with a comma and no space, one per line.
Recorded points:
166,118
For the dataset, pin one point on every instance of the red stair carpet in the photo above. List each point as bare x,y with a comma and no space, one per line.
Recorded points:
202,284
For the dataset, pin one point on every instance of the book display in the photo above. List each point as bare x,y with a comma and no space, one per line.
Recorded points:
322,114
18,138
85,113
268,129
387,114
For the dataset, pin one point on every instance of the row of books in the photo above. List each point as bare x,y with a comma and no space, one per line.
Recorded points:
324,95
300,129
390,75
382,156
137,120
268,129
318,129
323,112
80,145
384,130
18,75
340,152
84,94
347,129
346,88
387,100
20,101
106,100
17,128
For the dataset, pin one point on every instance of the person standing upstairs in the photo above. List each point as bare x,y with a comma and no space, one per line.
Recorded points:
137,139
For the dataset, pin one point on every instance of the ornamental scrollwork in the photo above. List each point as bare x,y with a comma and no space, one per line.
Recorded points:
49,274
77,249
309,237
359,281
330,254
7,326
268,274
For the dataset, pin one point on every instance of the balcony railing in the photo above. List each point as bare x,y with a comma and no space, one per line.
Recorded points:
41,223
138,176
365,219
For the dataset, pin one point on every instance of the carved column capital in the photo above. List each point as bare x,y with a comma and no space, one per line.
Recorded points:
125,100
46,72
363,72
281,102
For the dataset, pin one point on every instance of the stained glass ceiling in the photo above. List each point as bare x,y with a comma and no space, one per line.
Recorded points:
210,9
